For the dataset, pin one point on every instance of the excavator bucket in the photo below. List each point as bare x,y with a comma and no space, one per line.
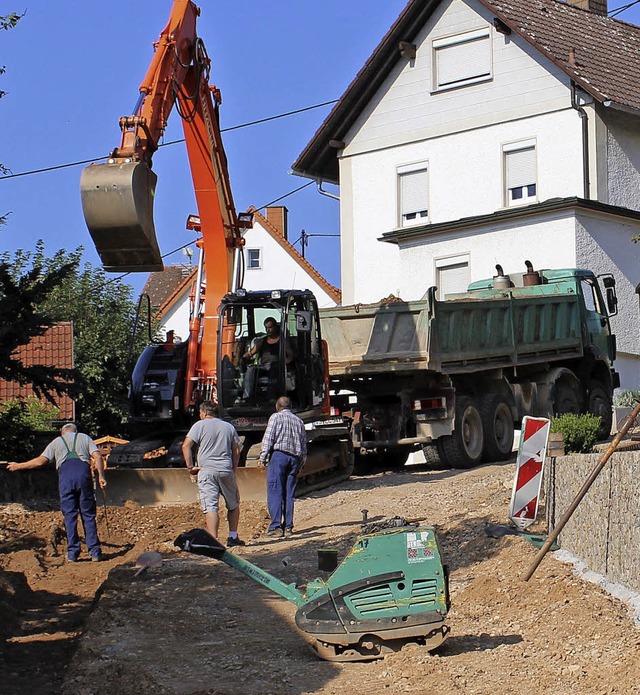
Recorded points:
117,202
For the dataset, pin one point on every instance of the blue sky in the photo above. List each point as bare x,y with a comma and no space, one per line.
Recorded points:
74,68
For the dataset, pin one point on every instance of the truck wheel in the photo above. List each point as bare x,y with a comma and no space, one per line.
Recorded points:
463,448
600,404
567,398
431,456
497,424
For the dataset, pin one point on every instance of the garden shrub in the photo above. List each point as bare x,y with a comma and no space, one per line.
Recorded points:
626,399
20,424
580,432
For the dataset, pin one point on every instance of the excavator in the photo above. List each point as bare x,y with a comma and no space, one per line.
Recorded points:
220,359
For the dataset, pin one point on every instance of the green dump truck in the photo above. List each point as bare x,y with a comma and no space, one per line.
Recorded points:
462,373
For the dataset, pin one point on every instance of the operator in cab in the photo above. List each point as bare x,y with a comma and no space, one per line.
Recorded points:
267,350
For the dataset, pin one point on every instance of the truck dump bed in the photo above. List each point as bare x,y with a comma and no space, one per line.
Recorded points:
466,332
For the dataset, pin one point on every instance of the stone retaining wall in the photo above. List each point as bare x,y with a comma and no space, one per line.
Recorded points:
604,530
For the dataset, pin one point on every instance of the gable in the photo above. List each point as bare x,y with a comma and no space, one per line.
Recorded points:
465,75
601,54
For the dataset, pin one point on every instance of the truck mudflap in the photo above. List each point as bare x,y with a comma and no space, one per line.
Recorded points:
117,202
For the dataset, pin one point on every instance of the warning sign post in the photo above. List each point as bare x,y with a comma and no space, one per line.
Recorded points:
529,468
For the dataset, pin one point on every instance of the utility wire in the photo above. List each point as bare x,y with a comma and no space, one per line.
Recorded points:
623,8
172,142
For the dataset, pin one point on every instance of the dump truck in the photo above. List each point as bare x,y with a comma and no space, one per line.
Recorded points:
462,372
171,379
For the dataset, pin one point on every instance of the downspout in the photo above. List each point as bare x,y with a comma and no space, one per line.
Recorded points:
323,192
585,139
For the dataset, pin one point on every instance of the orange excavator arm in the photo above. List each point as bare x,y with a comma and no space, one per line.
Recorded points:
117,197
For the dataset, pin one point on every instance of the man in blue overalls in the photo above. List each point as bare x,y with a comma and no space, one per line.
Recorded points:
73,452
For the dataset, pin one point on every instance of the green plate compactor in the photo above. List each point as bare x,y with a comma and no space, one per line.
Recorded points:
391,589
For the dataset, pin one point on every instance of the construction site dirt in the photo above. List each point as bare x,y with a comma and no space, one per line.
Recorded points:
194,625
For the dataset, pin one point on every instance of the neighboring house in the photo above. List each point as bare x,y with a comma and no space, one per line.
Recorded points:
480,133
54,348
168,292
270,262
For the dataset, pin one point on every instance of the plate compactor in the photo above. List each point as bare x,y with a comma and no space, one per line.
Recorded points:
390,590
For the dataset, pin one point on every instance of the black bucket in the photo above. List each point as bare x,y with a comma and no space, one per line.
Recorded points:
327,559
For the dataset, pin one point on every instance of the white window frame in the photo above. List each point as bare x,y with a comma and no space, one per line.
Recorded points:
254,267
457,43
419,215
462,259
526,195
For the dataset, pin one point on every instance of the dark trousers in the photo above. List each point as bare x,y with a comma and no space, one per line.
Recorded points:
282,473
76,496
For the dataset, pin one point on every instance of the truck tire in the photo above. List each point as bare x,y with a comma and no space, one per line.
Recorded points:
497,424
463,448
567,398
600,404
431,456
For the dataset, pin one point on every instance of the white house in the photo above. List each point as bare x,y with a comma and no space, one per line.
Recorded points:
269,260
482,133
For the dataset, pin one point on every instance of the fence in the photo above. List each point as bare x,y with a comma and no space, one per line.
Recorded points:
604,531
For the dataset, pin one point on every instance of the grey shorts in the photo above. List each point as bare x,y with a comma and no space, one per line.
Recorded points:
212,484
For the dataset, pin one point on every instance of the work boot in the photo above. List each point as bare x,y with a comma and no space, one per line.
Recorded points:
98,557
288,532
72,558
275,533
231,542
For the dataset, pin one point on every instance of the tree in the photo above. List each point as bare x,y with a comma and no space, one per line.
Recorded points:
7,22
102,311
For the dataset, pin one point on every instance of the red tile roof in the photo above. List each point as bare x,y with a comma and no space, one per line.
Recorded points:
165,286
332,291
607,51
55,349
607,64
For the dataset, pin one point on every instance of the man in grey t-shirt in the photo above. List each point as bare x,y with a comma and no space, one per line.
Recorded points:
217,458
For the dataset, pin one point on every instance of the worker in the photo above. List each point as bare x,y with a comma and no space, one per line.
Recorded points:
284,452
73,453
267,349
217,460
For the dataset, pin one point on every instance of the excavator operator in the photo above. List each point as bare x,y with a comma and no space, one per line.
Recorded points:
267,349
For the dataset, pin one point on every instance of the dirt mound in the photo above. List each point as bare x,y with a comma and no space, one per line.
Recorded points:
193,625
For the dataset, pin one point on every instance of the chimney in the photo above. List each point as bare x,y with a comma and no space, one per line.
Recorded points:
277,216
595,6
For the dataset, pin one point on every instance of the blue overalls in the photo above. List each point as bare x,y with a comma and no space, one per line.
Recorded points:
75,484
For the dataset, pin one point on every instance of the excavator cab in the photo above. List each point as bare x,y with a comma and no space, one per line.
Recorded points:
269,347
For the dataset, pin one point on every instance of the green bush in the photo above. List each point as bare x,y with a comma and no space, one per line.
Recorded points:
626,399
20,423
580,432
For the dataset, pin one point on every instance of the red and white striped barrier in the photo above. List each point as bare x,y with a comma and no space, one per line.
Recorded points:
529,467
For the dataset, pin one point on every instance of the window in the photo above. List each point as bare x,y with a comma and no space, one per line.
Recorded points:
452,275
462,59
520,173
254,259
413,194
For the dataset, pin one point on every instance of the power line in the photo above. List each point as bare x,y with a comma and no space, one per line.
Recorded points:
623,8
172,142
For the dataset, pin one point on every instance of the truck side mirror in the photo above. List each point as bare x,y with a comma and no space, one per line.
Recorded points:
612,301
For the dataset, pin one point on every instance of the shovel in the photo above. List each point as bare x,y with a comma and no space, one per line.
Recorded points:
146,560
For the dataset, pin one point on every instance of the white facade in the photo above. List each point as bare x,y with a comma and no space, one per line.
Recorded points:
460,137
